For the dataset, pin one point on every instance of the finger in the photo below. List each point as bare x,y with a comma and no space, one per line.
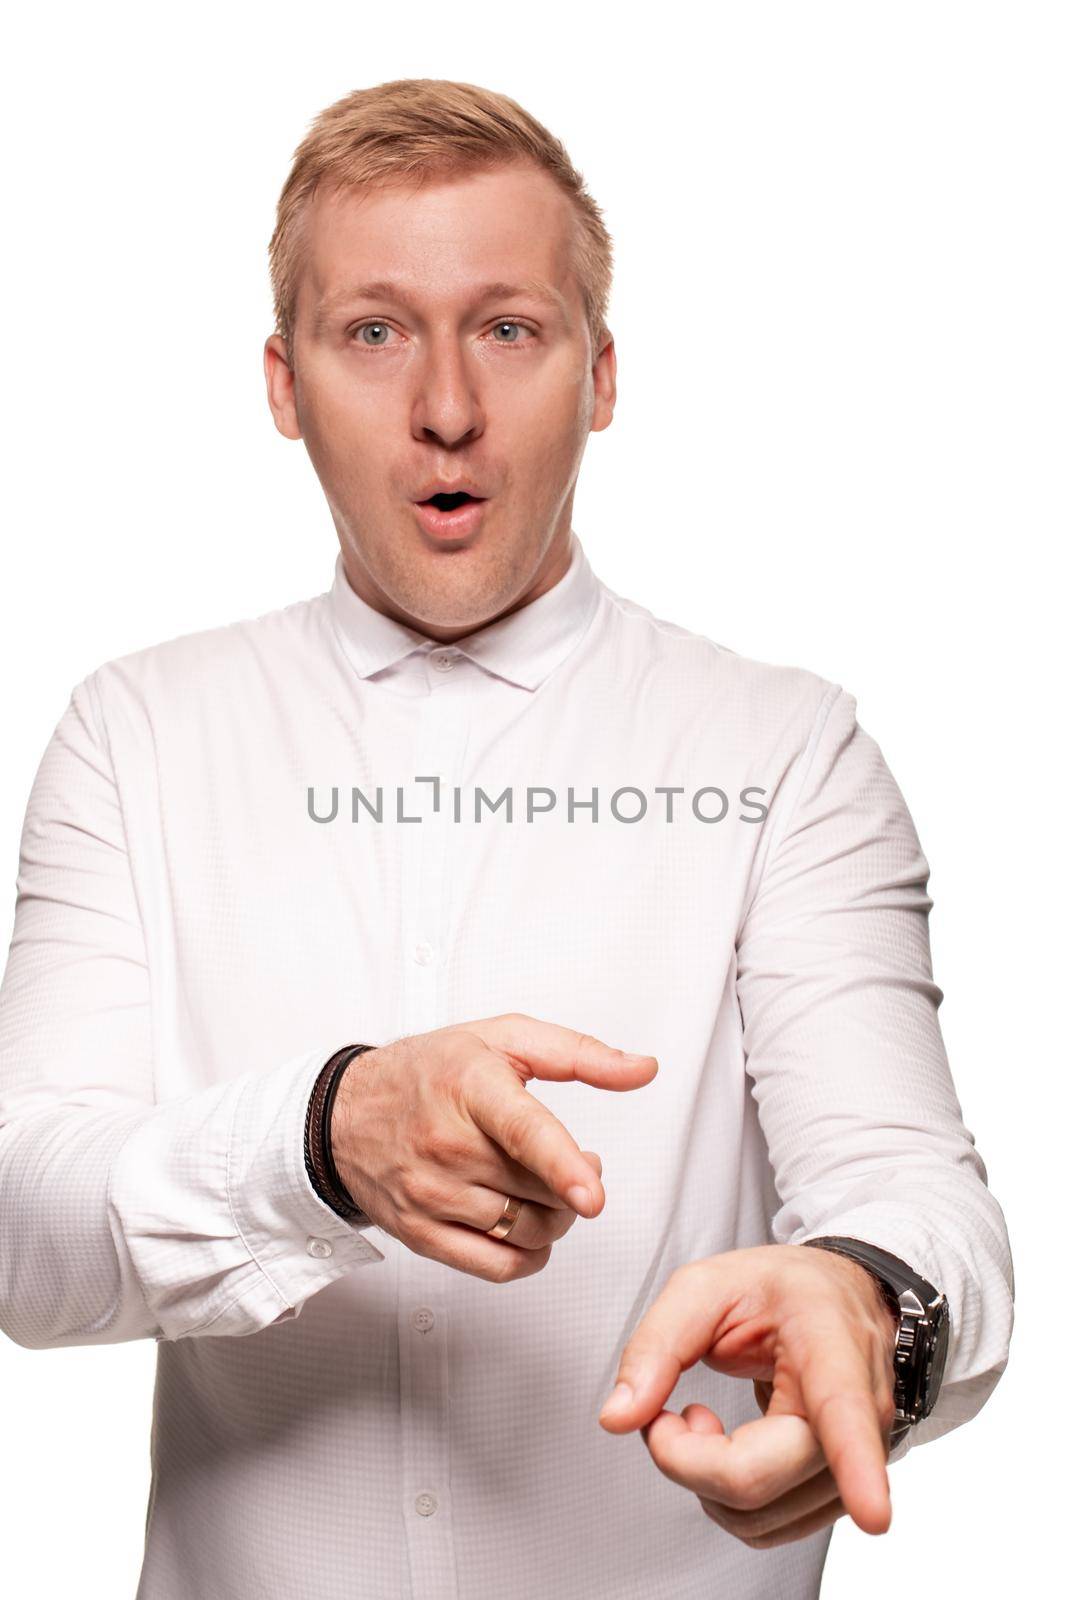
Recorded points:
839,1401
532,1135
536,1224
675,1332
547,1050
497,1261
700,1419
745,1470
811,1496
534,1227
504,1176
802,1527
477,1206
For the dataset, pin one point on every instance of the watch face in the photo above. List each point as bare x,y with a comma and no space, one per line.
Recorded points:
939,1337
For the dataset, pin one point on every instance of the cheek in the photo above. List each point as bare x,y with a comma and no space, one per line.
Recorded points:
344,433
548,420
556,445
335,402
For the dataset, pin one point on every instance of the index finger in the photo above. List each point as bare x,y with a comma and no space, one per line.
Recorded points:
548,1050
528,1132
839,1402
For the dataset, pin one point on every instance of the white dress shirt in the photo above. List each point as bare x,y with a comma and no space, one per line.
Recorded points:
336,1415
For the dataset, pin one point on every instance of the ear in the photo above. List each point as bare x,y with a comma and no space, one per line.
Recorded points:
280,378
604,369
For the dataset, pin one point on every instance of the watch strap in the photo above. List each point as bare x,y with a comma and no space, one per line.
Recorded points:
891,1269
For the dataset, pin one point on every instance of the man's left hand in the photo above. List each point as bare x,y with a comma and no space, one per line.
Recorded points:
813,1333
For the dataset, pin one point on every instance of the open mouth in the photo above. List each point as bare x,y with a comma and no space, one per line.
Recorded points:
450,502
451,518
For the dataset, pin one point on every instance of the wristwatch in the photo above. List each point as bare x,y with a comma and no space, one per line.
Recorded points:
923,1328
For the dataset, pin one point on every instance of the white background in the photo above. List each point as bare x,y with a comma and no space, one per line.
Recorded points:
839,313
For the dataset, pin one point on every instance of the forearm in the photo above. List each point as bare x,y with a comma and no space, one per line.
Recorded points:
178,1220
859,1109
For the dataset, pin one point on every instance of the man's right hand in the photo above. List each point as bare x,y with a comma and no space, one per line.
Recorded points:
430,1133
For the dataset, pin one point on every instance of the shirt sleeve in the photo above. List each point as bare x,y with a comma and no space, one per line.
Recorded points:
120,1217
844,1049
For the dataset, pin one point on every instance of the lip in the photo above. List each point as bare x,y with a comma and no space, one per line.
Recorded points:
457,486
446,527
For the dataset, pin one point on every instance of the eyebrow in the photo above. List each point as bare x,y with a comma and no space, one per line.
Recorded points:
383,289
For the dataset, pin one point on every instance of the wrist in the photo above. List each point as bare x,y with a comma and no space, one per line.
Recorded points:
922,1336
318,1131
879,1295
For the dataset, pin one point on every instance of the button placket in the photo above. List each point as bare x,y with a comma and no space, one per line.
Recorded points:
440,741
422,1285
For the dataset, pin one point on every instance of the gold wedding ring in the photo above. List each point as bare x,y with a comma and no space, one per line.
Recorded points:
501,1229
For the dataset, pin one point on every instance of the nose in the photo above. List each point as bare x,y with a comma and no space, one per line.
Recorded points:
446,406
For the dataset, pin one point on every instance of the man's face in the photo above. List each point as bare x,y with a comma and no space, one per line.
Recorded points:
398,391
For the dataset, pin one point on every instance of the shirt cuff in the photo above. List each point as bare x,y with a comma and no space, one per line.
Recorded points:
954,1249
299,1243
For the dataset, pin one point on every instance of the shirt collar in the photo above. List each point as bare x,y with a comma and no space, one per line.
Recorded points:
522,647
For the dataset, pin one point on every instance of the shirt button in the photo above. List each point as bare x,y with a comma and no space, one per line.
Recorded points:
426,1504
423,953
319,1247
423,1319
443,661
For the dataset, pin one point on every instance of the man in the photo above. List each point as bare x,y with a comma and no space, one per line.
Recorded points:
345,934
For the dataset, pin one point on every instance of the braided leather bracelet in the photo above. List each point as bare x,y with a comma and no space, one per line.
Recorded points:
318,1155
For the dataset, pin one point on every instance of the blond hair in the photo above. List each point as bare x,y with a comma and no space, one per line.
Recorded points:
412,129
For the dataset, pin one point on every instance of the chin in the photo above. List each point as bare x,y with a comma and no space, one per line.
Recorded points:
467,602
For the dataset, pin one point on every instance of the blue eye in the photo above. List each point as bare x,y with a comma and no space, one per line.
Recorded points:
508,324
378,326
383,328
